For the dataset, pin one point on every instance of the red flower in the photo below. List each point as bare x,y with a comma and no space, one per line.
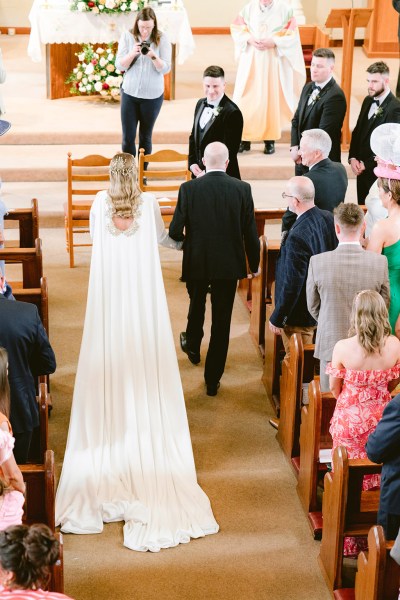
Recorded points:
105,86
91,4
77,85
94,62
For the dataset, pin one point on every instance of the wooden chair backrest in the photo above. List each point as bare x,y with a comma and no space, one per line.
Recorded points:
296,370
31,260
85,177
28,222
170,177
40,491
346,510
38,296
314,436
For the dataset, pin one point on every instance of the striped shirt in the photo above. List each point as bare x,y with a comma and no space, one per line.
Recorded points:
143,79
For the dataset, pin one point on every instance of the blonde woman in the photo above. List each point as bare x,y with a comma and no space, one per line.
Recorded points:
129,455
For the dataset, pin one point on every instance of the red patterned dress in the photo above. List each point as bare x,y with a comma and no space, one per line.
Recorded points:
358,410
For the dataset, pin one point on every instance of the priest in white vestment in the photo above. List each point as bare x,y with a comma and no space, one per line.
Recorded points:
271,71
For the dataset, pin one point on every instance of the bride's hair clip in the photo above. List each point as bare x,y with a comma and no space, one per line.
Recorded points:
120,164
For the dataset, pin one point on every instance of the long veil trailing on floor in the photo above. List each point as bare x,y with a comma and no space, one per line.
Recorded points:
129,455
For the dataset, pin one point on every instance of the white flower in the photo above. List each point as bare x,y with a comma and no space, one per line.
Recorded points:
81,56
95,9
98,86
84,80
91,78
104,92
97,77
114,92
110,56
79,75
81,6
89,87
82,88
99,50
110,68
103,62
89,69
133,6
75,70
101,7
110,4
123,6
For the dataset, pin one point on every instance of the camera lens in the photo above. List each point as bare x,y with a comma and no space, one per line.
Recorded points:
144,49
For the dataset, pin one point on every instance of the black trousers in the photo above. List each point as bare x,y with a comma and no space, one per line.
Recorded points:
22,445
142,112
364,182
222,297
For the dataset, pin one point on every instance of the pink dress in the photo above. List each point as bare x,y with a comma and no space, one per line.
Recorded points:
11,510
358,410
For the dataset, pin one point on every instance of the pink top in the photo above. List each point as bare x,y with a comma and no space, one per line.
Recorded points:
31,595
11,509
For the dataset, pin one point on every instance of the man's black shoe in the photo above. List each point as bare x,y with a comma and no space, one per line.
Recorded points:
212,388
269,147
194,357
244,146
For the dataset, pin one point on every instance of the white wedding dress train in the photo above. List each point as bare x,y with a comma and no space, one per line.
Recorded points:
129,455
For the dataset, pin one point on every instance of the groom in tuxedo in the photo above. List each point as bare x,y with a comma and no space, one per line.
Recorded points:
217,214
380,106
216,119
322,105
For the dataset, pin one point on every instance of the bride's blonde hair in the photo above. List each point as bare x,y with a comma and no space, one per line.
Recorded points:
124,191
369,321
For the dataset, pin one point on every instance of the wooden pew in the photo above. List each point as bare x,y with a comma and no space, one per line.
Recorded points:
296,371
314,436
39,443
31,260
378,575
38,296
346,511
28,223
40,507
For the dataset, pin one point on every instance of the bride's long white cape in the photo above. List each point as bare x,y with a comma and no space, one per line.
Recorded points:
129,455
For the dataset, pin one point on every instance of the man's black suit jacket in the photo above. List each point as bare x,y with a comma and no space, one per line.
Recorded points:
312,233
29,355
326,113
360,147
330,183
227,128
383,446
217,213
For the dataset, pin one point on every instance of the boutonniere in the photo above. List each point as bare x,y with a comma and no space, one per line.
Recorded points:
378,112
216,111
315,96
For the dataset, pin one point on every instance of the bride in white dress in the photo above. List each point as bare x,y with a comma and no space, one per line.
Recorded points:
129,455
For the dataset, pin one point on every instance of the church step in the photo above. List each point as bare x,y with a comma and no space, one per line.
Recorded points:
49,162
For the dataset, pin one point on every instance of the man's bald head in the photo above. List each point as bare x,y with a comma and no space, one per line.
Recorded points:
300,194
216,156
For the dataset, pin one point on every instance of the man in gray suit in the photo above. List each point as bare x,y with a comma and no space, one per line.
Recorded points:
334,278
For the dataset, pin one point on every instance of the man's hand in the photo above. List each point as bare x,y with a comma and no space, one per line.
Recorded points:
266,44
357,166
197,172
294,155
275,330
252,275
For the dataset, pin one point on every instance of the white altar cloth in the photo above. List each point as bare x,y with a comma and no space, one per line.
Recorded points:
53,22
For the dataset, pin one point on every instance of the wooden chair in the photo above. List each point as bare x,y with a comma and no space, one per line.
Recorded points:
31,260
296,370
38,296
86,176
170,170
346,511
378,576
28,224
314,436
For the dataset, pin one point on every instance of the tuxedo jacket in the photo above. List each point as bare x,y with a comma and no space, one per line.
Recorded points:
330,183
360,147
383,446
312,233
226,127
217,213
29,355
326,113
334,278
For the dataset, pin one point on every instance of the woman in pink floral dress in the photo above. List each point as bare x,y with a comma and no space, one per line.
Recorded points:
363,371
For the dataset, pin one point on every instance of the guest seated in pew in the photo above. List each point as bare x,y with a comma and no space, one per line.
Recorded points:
383,446
334,278
12,486
26,555
312,233
30,355
364,368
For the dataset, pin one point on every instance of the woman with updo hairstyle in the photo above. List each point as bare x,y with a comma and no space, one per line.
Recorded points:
365,367
26,556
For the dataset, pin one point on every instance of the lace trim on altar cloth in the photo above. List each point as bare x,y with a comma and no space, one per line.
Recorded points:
110,213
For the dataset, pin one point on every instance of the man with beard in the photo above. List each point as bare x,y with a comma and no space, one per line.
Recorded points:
380,106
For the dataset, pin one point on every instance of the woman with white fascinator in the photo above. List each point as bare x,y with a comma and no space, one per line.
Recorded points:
385,235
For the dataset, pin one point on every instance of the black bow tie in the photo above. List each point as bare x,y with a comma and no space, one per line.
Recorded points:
316,87
376,101
207,105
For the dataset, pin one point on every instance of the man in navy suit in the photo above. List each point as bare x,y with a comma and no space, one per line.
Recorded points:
322,104
380,106
216,119
383,446
29,355
329,177
312,233
215,218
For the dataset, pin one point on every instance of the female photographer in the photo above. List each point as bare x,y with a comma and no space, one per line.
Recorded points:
144,53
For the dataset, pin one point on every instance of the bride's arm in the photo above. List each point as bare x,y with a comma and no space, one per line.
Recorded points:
162,234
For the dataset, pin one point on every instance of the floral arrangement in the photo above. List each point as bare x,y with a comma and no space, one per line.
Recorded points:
107,6
96,72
